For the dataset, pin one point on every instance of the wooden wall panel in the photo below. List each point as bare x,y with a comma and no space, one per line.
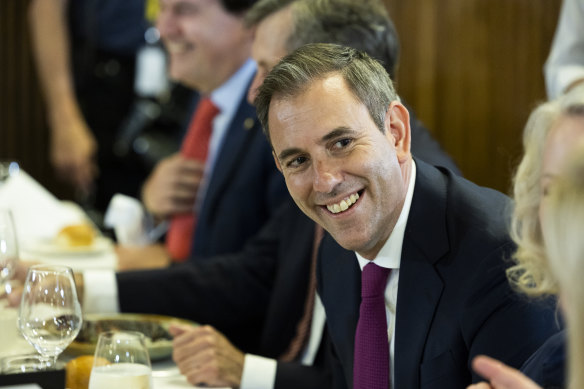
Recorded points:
472,70
23,132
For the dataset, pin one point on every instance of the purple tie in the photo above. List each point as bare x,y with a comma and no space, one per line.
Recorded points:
371,364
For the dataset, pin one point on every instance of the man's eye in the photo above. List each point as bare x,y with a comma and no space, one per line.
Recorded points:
342,143
296,162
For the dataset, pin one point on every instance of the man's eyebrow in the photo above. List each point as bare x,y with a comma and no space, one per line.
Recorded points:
288,152
337,132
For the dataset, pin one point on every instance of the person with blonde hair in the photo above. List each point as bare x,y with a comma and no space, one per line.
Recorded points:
546,134
562,216
553,131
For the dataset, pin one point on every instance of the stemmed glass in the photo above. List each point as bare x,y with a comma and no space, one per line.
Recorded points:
121,361
50,313
8,247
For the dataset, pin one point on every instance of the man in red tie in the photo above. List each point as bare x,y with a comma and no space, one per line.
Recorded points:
221,187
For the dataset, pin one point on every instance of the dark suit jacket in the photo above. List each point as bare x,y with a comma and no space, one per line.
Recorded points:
244,191
454,301
426,148
255,297
547,366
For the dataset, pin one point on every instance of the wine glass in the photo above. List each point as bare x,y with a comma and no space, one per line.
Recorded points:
121,360
8,247
50,314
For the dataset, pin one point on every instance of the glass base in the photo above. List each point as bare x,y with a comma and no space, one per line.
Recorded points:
27,363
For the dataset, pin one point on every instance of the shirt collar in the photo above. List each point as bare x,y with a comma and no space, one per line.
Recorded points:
390,254
228,96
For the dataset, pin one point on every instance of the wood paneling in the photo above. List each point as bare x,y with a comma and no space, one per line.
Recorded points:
23,132
472,70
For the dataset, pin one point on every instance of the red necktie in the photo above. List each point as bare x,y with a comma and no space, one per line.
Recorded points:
371,362
195,146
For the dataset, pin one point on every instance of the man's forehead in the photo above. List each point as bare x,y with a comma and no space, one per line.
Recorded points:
321,96
329,83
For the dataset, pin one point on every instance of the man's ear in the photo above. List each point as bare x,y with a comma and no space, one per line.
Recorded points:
277,161
397,128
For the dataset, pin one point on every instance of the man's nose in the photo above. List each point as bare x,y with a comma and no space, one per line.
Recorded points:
327,176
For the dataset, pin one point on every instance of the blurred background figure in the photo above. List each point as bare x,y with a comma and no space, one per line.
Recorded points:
564,67
223,185
282,29
103,78
554,130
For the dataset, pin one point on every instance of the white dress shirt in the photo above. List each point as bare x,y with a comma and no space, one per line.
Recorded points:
389,257
565,63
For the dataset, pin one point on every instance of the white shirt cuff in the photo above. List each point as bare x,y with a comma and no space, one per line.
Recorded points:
258,372
100,292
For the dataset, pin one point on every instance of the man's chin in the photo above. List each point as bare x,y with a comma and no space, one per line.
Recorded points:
348,241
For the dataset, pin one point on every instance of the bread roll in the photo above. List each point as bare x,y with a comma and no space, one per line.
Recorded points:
77,235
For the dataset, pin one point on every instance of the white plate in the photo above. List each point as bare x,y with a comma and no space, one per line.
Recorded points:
49,247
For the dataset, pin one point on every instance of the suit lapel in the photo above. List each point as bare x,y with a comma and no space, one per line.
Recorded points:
241,131
420,286
341,296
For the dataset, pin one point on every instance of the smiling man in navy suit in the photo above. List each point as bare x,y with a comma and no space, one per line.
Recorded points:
425,248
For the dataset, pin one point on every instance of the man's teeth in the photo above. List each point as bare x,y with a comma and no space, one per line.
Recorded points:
344,204
176,47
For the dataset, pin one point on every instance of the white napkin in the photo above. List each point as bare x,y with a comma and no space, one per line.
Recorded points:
37,213
130,222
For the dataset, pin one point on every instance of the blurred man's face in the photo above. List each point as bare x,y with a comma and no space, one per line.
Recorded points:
269,45
206,44
340,169
564,138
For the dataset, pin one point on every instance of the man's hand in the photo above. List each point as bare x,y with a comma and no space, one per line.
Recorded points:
206,357
12,291
152,256
172,187
73,150
500,375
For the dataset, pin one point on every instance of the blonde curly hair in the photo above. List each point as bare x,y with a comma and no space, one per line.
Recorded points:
563,218
531,273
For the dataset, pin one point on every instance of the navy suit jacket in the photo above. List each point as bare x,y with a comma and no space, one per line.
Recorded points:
244,191
425,147
454,301
547,366
255,297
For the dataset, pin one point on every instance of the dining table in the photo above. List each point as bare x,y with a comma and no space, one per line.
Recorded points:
38,215
165,373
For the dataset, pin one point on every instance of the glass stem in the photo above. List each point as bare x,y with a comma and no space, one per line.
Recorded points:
50,362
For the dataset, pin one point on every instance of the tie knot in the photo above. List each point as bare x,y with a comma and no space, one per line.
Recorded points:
206,110
373,280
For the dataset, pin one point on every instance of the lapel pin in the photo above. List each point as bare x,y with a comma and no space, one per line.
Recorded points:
248,123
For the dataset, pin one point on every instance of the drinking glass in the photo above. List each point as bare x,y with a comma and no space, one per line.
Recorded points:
121,361
8,247
50,314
